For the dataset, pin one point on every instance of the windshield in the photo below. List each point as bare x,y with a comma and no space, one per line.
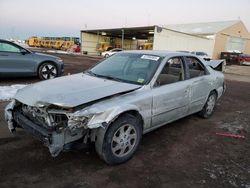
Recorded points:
128,67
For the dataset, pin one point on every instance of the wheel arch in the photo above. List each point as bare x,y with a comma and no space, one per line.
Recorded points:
215,91
134,113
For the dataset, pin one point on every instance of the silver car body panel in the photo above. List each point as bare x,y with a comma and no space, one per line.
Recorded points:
106,99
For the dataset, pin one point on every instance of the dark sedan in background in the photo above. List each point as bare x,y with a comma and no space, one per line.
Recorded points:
16,61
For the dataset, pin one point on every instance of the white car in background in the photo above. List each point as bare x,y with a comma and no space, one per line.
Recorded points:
111,52
203,55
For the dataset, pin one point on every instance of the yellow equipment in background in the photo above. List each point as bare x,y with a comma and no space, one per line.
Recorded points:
147,46
59,43
32,42
103,46
67,45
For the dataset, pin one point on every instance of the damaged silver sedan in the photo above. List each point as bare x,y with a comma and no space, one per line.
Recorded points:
117,101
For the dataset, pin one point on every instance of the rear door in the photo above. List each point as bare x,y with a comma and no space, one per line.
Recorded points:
13,62
170,93
200,85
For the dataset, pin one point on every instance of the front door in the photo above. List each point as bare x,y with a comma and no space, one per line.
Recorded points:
171,93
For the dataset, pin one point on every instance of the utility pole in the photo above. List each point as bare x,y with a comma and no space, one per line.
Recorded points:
122,37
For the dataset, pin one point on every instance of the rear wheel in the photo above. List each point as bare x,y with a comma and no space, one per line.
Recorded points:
208,108
121,140
106,55
47,71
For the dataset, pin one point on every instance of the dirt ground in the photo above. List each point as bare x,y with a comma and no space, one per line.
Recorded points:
238,73
186,153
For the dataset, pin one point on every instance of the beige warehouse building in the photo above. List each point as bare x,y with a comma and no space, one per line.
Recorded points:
226,36
212,38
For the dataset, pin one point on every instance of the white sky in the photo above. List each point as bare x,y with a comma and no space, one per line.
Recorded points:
23,18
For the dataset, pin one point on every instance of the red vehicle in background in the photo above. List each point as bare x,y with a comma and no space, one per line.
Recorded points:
235,58
75,49
244,59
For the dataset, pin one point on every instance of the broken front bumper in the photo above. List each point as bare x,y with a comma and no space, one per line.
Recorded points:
56,140
41,133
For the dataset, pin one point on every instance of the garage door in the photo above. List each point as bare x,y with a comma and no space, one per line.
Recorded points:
235,44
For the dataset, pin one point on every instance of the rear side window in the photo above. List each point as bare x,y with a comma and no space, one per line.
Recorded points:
196,68
6,47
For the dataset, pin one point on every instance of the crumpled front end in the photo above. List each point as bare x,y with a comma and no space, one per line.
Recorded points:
9,116
56,127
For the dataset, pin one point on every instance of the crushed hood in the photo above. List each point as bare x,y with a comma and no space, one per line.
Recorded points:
71,91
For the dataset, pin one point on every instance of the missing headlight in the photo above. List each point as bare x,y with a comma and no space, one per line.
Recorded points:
75,122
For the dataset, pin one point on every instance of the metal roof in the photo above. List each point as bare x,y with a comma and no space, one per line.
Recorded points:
202,28
129,32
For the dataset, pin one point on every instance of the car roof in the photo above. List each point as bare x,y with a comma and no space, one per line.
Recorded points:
3,40
11,42
8,41
161,53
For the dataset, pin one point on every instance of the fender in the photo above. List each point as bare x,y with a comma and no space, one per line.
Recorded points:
105,118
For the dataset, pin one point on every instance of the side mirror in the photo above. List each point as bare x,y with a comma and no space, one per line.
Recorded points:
23,51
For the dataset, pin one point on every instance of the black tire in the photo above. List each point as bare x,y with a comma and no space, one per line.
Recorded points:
47,71
106,55
131,127
208,109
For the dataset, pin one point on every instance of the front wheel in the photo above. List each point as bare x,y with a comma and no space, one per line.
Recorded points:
208,108
47,71
121,140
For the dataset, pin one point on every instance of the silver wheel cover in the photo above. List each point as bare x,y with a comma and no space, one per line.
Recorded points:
123,140
210,104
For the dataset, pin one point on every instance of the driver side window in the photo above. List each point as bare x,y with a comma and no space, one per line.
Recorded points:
6,47
172,72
